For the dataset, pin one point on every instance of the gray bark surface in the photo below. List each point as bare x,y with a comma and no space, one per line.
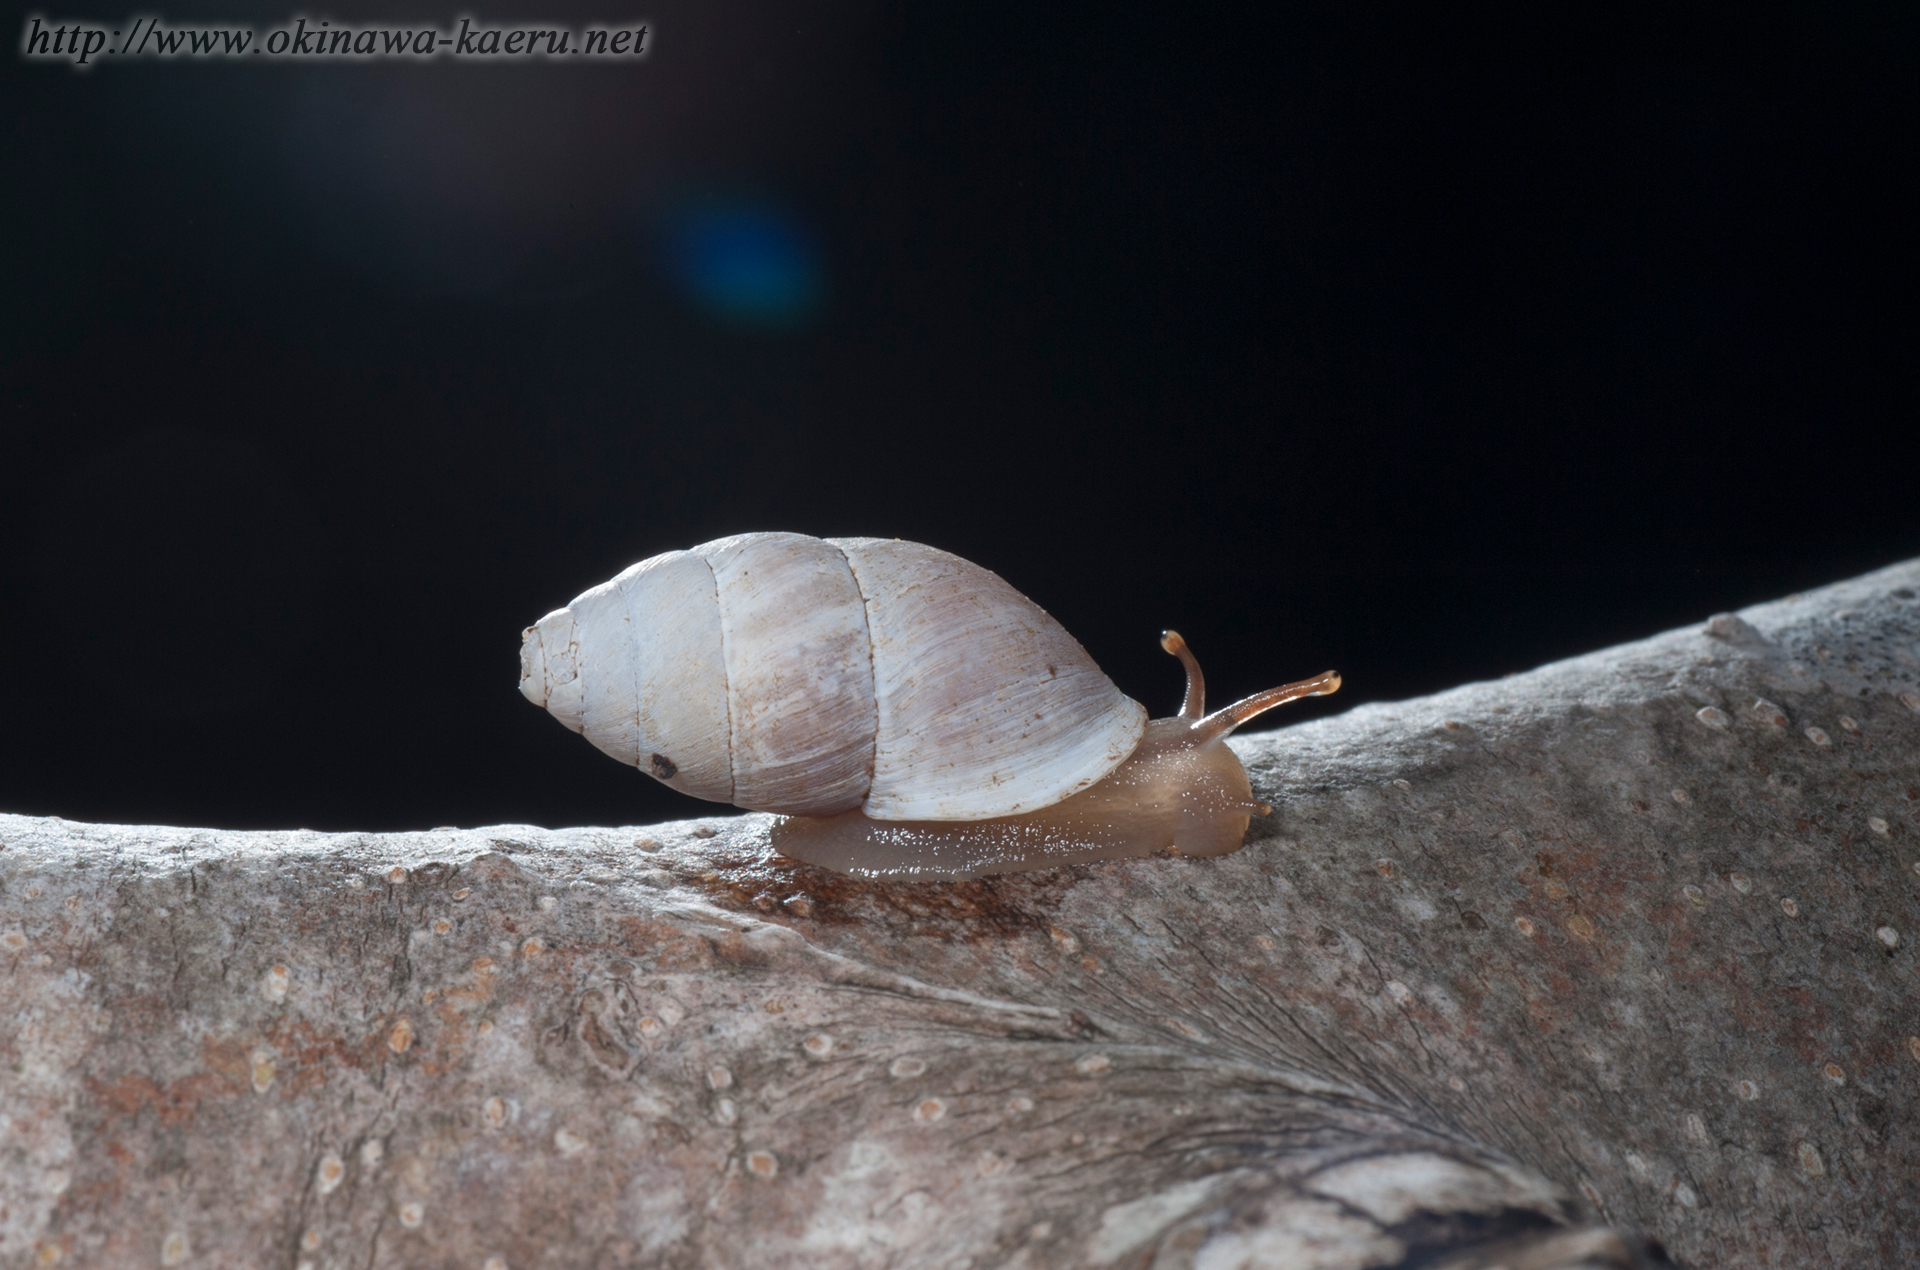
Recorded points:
1565,969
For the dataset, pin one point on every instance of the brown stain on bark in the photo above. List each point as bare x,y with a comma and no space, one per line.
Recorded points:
130,1094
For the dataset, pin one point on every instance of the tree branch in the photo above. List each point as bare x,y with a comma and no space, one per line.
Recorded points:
1621,945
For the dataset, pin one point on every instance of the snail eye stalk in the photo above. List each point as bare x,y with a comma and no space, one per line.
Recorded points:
1211,727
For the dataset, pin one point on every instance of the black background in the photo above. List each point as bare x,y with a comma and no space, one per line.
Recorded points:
1427,352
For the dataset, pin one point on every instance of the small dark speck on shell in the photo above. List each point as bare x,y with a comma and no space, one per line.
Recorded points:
663,767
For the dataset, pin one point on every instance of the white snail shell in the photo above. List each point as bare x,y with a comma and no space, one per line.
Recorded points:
811,676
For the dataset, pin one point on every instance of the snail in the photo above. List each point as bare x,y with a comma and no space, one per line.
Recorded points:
906,712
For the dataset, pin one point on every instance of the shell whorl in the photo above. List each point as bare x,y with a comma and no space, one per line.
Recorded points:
811,676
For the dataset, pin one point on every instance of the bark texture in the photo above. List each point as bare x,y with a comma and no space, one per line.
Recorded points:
1599,965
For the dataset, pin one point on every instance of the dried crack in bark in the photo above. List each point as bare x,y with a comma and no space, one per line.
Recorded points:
1553,971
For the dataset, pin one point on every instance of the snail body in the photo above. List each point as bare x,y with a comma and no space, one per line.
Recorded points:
908,712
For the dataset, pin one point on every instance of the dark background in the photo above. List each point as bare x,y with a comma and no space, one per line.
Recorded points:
1428,352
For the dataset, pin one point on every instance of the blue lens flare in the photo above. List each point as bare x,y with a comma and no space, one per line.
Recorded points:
754,266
